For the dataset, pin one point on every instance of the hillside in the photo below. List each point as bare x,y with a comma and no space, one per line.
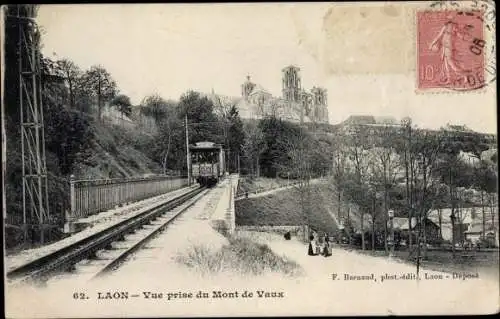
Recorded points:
116,152
75,145
284,208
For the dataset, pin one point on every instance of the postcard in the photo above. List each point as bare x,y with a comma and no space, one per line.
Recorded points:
250,159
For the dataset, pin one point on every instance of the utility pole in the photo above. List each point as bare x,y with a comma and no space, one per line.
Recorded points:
238,164
391,218
187,151
483,216
99,109
4,135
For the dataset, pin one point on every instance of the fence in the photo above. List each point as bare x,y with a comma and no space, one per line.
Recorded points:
93,196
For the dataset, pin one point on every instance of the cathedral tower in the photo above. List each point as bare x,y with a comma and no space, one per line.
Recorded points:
320,104
291,83
247,88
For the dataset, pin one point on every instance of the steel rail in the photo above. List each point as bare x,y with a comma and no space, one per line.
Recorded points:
115,263
85,248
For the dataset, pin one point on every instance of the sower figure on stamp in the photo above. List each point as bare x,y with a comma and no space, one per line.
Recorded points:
445,41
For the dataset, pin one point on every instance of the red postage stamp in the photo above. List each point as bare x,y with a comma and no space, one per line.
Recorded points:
450,50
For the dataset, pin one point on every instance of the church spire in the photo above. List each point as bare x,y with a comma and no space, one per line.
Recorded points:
247,87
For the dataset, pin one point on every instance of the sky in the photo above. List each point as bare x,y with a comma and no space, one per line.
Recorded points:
364,55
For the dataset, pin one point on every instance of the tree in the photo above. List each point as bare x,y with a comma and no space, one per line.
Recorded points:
232,128
274,157
273,107
99,83
485,179
122,104
253,146
357,145
428,145
384,172
236,136
169,141
154,106
406,147
71,74
202,122
385,164
339,174
300,165
222,107
68,136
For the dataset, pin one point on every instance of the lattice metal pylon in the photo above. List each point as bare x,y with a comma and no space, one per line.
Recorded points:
36,215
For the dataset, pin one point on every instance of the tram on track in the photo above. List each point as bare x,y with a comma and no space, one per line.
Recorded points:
207,163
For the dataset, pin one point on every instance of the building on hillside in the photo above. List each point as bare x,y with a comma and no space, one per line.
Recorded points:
401,225
295,104
432,232
468,224
464,131
368,123
475,233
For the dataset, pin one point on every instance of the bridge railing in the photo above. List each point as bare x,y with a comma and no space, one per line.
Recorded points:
90,197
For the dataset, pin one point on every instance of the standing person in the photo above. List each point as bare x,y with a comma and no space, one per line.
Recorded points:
318,247
288,235
327,252
311,251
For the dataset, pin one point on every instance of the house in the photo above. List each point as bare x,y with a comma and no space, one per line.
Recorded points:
401,225
475,233
465,221
432,232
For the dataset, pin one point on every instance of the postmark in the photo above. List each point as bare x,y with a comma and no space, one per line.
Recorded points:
455,46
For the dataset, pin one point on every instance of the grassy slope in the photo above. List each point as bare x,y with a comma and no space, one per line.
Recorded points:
283,208
114,155
242,255
258,183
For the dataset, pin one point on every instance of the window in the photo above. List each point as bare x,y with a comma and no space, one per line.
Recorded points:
205,156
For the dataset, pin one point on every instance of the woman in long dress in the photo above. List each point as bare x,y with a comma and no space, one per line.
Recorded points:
326,248
310,251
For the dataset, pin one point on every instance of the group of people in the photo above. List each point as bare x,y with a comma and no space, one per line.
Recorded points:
316,247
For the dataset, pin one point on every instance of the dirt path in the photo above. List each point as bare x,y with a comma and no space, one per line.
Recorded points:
275,190
321,290
383,295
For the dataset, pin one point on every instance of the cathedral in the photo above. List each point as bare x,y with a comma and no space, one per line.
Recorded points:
295,104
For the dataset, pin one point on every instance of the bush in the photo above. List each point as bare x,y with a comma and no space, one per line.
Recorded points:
242,256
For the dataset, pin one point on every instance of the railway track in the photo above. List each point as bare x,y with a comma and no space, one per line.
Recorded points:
146,225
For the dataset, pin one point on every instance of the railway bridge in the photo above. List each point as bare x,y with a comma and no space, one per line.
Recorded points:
110,220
